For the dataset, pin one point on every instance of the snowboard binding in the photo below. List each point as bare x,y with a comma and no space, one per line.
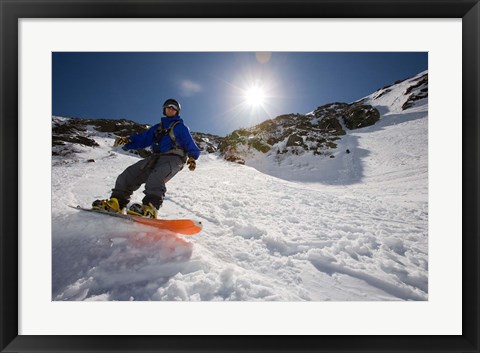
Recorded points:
111,205
147,211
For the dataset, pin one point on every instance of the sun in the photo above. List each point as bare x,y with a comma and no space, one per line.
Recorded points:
255,96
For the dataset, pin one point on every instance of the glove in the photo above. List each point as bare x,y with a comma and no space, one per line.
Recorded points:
191,163
121,141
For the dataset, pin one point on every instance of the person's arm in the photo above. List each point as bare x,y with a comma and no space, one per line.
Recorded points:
141,140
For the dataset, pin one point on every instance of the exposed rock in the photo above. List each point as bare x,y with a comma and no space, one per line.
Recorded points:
294,140
71,133
296,134
417,91
358,116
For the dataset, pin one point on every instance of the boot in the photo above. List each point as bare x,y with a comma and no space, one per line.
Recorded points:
111,205
148,211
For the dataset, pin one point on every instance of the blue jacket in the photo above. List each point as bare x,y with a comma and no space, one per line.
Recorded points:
182,136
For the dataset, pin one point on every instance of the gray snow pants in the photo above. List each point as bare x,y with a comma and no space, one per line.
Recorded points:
154,172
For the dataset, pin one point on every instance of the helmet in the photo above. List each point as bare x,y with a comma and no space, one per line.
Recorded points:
174,103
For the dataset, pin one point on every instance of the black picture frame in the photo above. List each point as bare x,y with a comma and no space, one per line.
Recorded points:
12,10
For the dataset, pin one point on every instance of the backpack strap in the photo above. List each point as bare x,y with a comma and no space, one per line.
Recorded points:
171,133
161,132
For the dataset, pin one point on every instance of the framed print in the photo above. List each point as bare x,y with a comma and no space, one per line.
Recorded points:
324,219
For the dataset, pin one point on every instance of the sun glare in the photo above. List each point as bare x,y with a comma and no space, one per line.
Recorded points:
255,96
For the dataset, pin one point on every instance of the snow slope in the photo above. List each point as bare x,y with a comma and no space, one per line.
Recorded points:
348,228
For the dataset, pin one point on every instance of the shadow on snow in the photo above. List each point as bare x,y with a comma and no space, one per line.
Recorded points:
98,258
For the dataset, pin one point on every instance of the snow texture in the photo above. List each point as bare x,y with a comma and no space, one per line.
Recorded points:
310,228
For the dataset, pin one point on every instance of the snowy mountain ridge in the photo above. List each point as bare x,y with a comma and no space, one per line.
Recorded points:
69,133
317,133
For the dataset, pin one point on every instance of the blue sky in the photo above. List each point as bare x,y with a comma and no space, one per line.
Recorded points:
219,91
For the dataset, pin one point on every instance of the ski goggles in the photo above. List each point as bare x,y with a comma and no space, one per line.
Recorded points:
172,106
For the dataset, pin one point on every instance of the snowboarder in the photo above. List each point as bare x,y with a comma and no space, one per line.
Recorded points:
172,145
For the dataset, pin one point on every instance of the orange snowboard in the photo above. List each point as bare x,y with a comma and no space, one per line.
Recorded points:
179,226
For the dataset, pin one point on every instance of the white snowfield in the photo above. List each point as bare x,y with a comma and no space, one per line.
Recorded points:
349,228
